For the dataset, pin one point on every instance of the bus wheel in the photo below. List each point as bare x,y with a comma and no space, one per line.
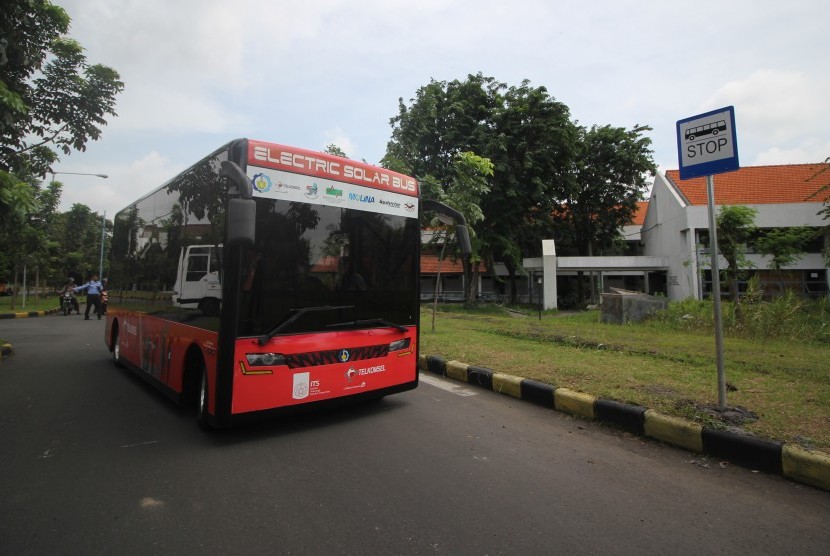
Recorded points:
116,347
202,403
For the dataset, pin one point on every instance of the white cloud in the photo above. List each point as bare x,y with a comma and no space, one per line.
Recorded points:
809,151
124,184
338,137
775,106
314,72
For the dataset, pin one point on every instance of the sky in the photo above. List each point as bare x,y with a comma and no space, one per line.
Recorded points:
309,73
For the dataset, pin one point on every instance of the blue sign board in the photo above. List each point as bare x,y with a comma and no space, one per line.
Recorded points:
707,144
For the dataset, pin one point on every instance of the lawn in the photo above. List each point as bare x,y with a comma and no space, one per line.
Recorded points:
784,385
43,303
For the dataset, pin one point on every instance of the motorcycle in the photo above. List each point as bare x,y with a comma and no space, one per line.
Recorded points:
68,302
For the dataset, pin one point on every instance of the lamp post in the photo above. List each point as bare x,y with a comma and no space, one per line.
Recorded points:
103,218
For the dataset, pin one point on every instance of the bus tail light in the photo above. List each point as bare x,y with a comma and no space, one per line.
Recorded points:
266,359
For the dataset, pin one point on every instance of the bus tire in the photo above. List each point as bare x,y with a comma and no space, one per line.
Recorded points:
115,346
202,416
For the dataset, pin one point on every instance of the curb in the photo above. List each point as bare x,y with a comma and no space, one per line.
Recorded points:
790,461
25,315
6,349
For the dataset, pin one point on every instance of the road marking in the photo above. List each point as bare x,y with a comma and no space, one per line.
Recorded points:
140,444
448,386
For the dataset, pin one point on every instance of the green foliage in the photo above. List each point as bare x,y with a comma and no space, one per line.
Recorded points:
548,172
335,150
735,228
784,245
786,317
608,178
51,102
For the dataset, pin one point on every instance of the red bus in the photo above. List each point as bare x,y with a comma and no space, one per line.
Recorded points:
266,279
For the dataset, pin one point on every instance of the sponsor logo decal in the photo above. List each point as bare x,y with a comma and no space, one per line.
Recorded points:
391,204
410,207
301,384
361,198
304,387
344,356
371,370
262,183
334,194
311,191
282,187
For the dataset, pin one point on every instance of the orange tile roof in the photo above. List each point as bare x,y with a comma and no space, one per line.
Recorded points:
429,265
640,214
758,185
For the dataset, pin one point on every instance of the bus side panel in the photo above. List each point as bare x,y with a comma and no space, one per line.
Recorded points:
322,377
158,347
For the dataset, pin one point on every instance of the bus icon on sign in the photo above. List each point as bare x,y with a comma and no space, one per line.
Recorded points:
708,129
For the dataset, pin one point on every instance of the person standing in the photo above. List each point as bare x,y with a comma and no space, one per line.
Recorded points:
93,295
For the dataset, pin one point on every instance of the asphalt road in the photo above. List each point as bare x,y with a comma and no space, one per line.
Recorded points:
93,461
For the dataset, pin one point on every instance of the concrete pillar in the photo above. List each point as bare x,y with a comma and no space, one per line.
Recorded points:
549,266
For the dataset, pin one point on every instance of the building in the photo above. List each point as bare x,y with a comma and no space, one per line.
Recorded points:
667,252
676,225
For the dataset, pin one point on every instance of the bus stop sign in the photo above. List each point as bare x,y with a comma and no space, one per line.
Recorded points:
707,144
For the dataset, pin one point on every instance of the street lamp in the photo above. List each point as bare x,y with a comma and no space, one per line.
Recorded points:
103,218
78,174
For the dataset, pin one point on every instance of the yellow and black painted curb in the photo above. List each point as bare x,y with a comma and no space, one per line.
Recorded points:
7,349
790,461
26,315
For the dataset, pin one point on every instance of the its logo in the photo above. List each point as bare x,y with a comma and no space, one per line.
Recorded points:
410,207
262,183
300,388
344,356
351,373
311,191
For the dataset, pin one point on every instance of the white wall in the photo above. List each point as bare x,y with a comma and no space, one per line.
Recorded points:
669,231
666,233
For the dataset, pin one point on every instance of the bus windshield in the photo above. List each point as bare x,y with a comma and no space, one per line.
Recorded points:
361,265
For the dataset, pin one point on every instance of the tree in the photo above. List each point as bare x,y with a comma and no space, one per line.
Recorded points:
51,101
784,246
524,132
467,185
532,146
735,227
599,196
335,150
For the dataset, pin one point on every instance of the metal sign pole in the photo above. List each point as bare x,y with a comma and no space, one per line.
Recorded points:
713,251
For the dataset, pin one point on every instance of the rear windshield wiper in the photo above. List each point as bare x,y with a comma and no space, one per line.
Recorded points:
297,314
369,322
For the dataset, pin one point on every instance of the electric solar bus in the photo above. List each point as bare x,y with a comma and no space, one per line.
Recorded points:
267,278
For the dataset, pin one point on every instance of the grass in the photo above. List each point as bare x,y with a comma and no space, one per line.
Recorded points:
784,383
44,303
